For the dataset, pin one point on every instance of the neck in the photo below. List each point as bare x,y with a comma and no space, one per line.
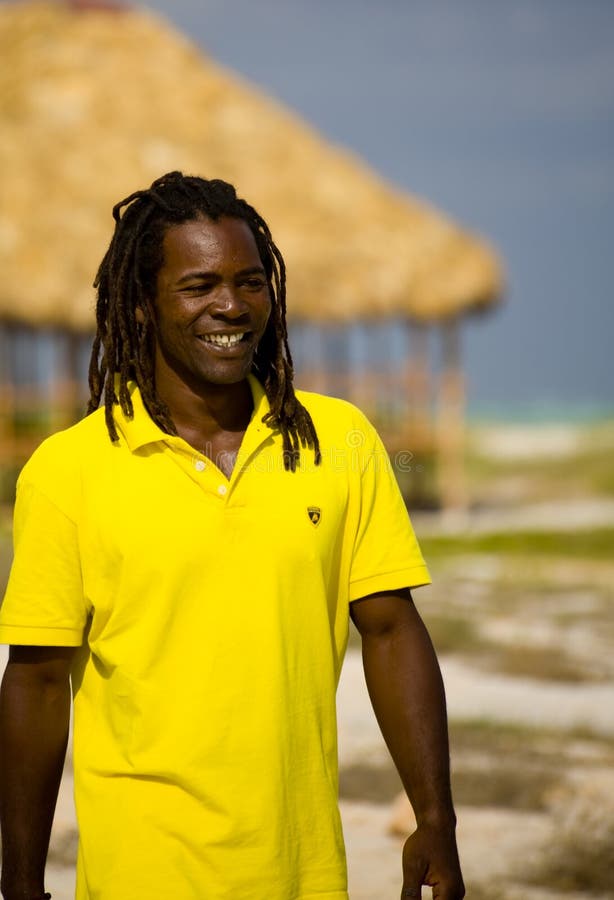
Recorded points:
208,411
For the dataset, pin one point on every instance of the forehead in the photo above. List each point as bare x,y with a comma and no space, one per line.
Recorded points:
210,244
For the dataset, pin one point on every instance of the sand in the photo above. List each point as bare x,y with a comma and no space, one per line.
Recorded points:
373,853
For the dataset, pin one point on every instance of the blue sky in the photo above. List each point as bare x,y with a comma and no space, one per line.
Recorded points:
500,113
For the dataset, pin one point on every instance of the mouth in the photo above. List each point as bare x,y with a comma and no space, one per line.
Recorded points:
224,341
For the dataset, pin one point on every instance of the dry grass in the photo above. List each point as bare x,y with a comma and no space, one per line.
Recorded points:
460,636
494,765
504,785
6,556
63,848
366,783
534,745
541,663
587,470
579,856
453,633
494,785
594,543
456,634
484,892
543,617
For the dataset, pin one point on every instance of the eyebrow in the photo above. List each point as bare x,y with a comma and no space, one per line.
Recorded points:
194,276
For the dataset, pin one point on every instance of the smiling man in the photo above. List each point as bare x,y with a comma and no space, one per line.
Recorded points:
188,558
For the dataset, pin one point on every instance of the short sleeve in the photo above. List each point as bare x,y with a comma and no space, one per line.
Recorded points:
44,602
386,555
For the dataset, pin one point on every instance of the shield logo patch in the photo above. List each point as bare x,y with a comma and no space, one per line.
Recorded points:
315,514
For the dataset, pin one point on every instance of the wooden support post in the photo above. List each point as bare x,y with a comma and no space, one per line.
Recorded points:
313,376
362,386
418,387
7,400
69,388
417,432
451,420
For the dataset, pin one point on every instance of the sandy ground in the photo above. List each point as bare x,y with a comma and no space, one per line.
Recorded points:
548,515
494,844
497,845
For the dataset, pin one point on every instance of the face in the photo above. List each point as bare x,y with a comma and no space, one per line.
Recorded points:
211,306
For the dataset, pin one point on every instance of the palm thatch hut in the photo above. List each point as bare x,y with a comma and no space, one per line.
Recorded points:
97,99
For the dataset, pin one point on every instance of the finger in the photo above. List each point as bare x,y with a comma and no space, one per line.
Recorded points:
454,892
450,890
408,892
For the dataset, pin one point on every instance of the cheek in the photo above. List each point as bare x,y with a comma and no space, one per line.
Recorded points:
170,339
266,312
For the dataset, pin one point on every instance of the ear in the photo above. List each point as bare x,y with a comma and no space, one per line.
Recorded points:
139,315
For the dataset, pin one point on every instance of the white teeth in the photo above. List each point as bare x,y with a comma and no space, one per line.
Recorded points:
223,340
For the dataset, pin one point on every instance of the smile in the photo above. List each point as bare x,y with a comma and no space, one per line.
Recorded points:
223,340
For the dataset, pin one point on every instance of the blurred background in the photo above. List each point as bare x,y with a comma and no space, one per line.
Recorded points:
440,179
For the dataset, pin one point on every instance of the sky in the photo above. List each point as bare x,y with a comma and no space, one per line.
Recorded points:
501,114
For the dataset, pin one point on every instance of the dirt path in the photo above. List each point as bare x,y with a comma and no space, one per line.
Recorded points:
475,695
510,838
552,515
373,854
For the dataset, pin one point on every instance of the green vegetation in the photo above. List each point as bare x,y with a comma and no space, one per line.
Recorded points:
6,556
587,471
597,543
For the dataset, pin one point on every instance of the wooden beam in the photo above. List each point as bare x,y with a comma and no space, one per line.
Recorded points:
7,399
451,420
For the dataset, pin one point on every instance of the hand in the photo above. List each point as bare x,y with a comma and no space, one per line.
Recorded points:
430,857
23,893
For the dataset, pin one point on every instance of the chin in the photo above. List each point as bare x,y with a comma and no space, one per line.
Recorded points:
226,375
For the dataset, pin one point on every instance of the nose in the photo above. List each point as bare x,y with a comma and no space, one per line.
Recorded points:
227,303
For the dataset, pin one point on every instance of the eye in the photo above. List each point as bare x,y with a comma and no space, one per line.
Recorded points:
202,287
253,283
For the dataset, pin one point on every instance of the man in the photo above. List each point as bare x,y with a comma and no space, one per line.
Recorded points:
188,557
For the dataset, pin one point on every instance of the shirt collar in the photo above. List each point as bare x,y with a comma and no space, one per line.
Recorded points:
141,428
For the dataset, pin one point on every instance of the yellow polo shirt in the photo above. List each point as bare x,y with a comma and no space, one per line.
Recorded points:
213,615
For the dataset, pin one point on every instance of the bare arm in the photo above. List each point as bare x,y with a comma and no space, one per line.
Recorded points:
34,720
406,690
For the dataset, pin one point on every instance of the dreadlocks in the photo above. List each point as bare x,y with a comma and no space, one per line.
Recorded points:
126,281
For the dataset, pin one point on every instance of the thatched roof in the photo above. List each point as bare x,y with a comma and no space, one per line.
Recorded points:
466,273
97,103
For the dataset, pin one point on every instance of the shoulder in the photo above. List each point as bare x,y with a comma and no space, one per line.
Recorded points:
334,416
60,458
338,421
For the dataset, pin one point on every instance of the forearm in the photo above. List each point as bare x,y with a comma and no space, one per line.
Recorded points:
406,690
34,721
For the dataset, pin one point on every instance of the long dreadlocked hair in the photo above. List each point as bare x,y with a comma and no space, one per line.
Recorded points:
126,281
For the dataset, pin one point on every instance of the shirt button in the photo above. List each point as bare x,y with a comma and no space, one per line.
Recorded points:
222,490
200,465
